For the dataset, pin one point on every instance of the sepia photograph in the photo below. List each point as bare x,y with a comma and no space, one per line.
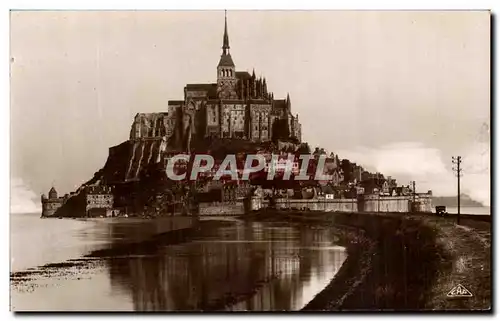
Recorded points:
250,160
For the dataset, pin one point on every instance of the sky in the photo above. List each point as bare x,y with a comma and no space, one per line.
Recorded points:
398,92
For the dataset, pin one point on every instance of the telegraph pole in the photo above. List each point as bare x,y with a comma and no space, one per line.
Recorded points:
457,161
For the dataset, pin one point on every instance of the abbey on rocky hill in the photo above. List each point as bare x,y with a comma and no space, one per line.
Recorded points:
238,105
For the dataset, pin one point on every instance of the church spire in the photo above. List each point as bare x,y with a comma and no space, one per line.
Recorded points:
225,58
225,42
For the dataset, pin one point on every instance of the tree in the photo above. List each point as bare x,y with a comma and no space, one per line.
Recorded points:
304,149
319,151
348,168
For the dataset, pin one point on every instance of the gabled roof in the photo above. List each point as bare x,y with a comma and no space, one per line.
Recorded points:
200,86
243,75
211,89
279,103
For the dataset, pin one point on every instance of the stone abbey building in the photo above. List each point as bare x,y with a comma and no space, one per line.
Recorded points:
238,105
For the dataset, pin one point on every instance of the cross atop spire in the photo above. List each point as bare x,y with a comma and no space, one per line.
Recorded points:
225,42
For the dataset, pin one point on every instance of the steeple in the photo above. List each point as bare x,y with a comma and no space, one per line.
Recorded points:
225,58
225,42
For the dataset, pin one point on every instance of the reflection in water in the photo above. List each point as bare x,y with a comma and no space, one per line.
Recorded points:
228,266
35,242
242,266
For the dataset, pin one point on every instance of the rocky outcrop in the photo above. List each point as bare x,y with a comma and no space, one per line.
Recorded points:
149,125
128,160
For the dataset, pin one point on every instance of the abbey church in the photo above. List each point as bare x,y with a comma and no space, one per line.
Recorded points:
238,105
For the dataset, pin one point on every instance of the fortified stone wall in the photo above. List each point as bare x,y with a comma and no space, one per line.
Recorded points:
374,203
425,203
369,203
50,206
338,205
221,208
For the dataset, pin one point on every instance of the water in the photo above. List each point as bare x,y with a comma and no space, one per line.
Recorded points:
474,210
231,265
35,241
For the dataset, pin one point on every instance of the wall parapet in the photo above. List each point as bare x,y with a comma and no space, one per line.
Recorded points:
364,203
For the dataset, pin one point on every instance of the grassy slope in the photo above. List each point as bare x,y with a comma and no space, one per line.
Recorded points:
469,245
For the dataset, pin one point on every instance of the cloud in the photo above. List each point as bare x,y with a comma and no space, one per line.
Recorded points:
408,161
476,172
22,198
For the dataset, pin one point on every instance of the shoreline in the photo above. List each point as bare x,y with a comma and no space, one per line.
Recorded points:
94,257
395,261
401,262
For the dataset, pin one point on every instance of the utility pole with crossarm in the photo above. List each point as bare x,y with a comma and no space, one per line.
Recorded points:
458,171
